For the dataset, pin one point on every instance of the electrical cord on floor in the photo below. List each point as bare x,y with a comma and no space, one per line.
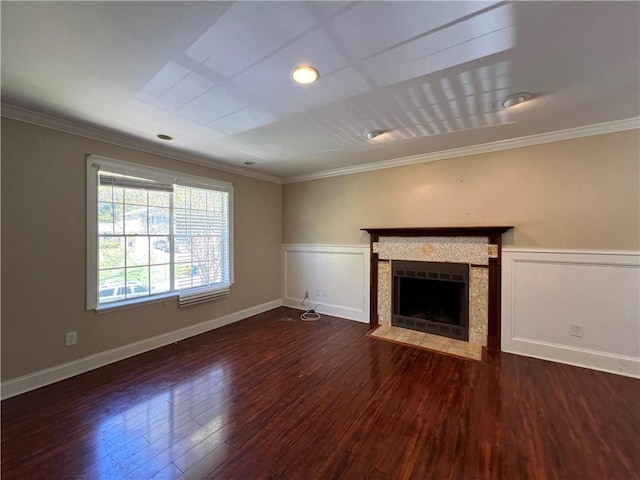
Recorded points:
310,315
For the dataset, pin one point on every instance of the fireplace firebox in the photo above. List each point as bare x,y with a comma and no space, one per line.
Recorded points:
431,297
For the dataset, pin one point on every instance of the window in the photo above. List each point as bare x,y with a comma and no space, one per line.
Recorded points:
153,233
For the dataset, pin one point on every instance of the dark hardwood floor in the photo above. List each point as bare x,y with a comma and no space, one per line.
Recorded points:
271,398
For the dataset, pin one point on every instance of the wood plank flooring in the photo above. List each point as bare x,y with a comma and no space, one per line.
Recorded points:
273,397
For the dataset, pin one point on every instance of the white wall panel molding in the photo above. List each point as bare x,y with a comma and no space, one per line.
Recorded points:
546,292
336,277
39,379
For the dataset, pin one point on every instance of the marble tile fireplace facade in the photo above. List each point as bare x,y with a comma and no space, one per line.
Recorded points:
478,247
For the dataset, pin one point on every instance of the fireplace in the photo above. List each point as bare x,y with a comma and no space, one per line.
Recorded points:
431,297
478,249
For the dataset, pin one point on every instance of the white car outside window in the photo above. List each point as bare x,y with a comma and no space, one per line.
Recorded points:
117,292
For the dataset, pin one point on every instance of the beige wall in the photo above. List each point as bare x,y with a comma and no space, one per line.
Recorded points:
43,252
574,194
581,194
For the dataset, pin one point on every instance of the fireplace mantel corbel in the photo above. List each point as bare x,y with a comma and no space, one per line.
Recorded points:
493,234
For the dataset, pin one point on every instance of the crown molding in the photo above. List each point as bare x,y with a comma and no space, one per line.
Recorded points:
559,135
109,136
95,133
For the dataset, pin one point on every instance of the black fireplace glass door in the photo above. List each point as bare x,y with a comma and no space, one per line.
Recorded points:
429,300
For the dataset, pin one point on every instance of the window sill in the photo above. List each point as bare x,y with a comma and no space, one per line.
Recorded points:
111,307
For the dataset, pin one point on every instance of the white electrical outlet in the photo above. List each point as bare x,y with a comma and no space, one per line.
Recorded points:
70,338
325,294
577,330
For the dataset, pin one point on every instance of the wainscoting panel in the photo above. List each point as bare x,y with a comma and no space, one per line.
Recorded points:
336,277
575,307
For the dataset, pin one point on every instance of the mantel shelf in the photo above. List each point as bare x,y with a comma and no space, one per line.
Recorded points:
436,231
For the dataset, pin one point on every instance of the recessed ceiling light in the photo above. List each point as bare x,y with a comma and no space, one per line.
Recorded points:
249,163
371,134
304,74
163,136
515,99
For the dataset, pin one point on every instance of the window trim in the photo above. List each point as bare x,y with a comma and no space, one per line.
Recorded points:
94,162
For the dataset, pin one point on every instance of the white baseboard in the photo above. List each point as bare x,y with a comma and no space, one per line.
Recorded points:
602,361
545,292
327,309
23,384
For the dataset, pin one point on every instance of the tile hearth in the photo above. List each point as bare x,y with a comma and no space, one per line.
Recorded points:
437,343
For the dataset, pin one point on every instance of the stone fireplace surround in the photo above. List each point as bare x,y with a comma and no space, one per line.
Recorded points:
479,247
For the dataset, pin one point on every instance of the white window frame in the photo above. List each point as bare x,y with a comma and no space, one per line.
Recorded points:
94,164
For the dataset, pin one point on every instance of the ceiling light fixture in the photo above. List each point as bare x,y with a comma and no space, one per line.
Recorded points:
371,134
304,74
515,99
163,136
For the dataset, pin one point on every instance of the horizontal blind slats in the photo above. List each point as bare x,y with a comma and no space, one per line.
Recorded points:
199,296
140,184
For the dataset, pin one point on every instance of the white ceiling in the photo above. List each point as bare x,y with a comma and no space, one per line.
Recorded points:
215,75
